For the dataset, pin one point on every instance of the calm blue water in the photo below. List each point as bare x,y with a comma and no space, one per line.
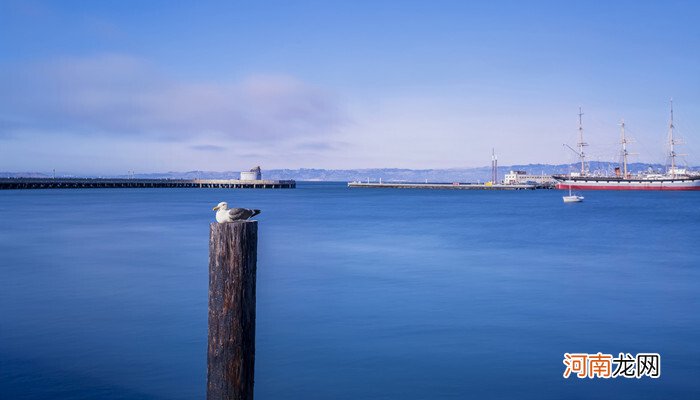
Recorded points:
362,294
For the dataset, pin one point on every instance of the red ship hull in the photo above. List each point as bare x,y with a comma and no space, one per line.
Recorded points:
566,186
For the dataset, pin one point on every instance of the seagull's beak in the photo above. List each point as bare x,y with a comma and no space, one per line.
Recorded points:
215,208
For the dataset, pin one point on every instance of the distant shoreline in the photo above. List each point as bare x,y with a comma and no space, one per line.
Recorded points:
474,174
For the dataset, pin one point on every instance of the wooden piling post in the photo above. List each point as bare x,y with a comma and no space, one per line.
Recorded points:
232,270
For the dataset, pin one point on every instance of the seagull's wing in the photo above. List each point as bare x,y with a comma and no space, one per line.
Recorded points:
238,214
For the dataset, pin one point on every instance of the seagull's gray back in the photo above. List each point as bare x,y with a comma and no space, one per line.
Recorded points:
238,214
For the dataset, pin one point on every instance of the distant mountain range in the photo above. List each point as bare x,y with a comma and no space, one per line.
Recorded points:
374,174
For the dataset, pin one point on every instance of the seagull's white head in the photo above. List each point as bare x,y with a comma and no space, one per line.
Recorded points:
221,206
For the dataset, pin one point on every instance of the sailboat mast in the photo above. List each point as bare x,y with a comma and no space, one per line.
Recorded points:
624,149
581,143
672,143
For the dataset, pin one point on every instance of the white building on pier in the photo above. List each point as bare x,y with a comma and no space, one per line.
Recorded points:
522,177
253,175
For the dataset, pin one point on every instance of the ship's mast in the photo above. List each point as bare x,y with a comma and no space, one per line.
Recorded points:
672,143
624,149
581,143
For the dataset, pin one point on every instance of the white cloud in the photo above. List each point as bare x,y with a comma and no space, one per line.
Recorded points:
118,95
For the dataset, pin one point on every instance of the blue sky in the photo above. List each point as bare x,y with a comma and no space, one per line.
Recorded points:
106,87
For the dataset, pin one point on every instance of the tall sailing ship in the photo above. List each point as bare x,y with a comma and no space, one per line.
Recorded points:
674,178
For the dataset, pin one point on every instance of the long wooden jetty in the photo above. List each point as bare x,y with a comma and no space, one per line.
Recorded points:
83,183
448,186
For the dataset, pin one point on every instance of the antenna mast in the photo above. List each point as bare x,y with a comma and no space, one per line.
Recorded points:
494,166
624,149
581,143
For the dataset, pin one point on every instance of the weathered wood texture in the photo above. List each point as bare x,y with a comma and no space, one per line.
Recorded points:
232,270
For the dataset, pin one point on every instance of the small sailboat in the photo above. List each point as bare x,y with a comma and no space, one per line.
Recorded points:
572,198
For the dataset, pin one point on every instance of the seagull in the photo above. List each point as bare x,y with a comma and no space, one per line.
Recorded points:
225,214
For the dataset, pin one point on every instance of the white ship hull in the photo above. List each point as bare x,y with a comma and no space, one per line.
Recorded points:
615,183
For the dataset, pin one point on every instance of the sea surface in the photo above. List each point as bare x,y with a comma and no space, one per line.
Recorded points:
362,293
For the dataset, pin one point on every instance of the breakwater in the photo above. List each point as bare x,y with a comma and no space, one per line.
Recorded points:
448,186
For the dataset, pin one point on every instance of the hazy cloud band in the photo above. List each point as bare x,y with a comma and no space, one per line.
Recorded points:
121,95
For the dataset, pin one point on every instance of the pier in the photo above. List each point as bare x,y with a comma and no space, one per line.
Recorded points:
104,183
447,186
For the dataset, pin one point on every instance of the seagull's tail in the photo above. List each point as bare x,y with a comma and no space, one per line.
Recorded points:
255,212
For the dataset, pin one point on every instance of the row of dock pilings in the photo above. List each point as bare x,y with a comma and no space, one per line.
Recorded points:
108,183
